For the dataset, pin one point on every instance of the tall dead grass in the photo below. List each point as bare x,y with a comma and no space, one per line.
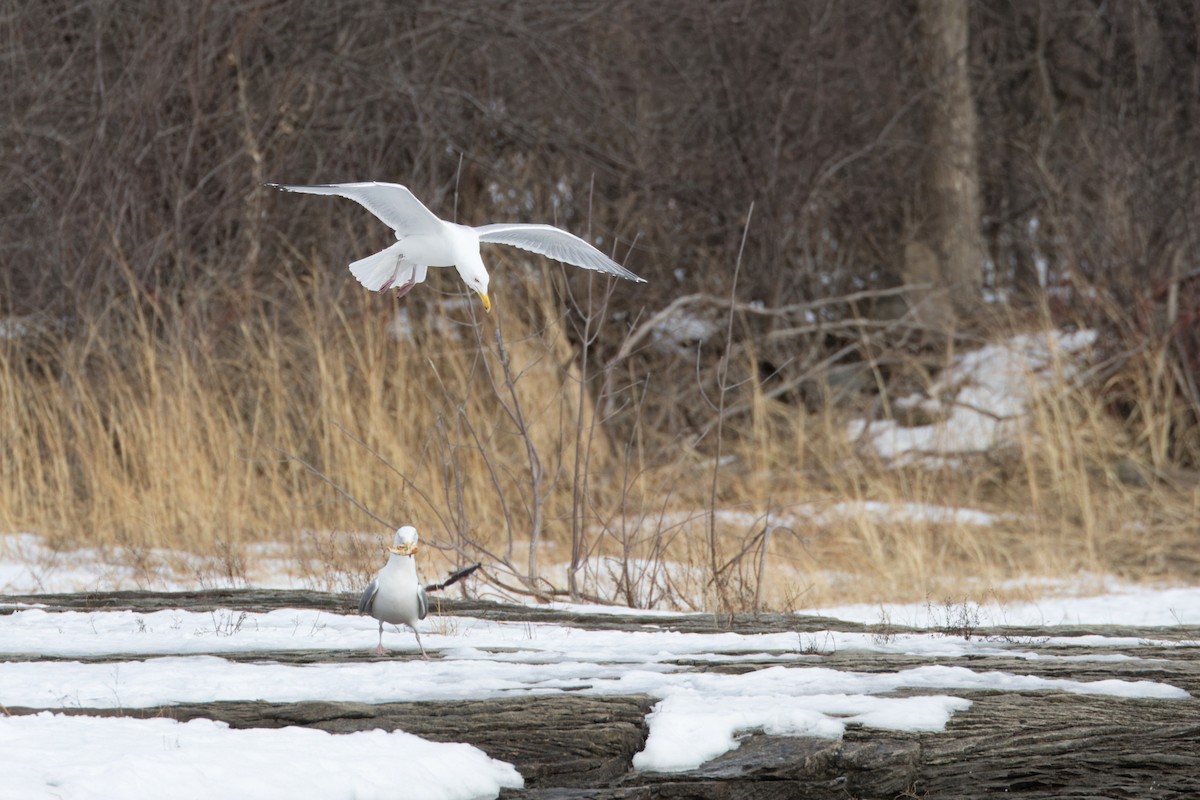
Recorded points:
328,411
146,429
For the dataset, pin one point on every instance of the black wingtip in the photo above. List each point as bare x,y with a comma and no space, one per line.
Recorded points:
629,275
454,578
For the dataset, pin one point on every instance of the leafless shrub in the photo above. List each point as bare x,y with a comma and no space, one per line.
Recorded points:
137,242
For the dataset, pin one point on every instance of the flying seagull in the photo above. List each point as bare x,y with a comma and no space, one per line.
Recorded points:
423,240
395,596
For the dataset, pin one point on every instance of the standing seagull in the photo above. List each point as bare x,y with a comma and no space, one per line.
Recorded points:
423,240
395,596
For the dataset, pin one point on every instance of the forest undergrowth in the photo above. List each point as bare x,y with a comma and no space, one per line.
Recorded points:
330,416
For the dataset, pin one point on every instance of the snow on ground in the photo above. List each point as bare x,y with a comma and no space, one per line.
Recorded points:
70,634
178,656
53,755
800,515
897,512
682,332
28,565
1120,604
980,402
699,716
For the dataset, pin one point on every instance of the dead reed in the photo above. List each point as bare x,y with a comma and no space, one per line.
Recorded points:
328,413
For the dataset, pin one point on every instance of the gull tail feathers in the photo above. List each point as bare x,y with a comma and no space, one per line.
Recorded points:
382,270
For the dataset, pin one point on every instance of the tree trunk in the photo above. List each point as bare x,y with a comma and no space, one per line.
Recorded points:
949,192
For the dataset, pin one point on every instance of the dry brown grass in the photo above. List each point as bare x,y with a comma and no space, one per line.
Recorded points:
153,429
199,364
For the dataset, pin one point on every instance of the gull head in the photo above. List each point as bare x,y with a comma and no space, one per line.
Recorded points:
469,263
480,285
405,543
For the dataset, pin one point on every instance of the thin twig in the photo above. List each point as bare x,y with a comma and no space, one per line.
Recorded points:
723,388
345,494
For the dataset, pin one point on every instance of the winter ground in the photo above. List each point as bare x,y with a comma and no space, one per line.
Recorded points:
710,687
59,660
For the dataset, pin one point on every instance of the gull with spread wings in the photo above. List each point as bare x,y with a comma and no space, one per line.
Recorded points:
423,240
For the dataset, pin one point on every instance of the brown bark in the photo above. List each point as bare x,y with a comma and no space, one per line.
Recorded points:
949,191
575,745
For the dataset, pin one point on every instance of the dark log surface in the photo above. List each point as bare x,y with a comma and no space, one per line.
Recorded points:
1037,744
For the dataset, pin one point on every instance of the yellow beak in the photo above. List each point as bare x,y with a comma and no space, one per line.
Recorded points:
403,550
487,304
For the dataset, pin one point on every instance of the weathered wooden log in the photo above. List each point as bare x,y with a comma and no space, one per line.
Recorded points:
1030,745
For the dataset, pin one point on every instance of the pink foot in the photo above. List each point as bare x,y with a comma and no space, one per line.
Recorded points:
381,651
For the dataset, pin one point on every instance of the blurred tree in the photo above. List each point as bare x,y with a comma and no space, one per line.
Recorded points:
948,251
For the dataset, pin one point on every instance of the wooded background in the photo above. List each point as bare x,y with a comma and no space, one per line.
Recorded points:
136,137
830,201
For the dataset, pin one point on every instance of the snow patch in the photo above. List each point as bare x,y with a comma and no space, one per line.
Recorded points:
681,332
981,400
120,758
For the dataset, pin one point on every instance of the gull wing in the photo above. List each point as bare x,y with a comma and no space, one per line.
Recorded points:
555,243
368,597
422,604
391,202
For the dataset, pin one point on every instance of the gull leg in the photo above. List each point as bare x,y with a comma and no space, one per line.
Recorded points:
395,275
373,270
380,651
424,654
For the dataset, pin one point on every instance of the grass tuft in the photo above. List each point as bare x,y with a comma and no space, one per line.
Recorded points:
318,419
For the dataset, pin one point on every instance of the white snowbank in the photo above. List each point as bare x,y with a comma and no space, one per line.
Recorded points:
1121,604
982,398
697,721
56,756
697,718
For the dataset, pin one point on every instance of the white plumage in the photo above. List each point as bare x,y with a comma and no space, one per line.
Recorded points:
395,596
423,240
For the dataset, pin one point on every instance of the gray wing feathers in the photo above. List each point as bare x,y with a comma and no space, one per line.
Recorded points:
555,243
391,202
368,597
422,604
